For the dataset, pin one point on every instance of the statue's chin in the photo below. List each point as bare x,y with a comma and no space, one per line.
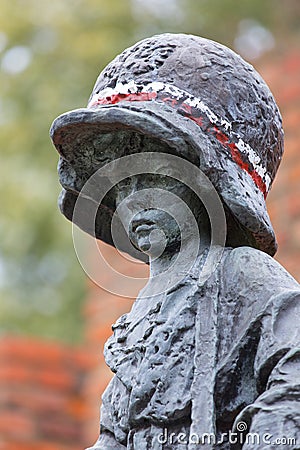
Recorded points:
149,248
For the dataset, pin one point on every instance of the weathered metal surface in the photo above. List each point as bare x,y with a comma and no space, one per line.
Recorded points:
198,364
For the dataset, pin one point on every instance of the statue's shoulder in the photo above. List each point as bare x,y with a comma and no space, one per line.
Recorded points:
252,279
253,287
248,270
248,255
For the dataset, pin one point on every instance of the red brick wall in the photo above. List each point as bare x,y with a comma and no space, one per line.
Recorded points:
42,405
283,76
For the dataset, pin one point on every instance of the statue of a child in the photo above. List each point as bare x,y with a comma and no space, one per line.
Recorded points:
207,362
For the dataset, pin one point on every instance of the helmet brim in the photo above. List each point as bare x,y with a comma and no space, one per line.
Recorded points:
74,130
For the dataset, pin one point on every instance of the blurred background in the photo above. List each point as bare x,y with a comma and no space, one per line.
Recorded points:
53,320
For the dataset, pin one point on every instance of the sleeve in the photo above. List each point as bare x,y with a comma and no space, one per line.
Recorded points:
107,439
273,420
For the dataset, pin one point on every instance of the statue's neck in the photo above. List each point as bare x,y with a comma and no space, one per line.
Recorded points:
188,251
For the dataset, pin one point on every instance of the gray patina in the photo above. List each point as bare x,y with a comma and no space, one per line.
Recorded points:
212,357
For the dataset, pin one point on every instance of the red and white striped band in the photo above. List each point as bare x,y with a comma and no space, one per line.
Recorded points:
194,109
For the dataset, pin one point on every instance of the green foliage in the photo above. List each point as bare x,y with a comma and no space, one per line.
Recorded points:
42,284
63,44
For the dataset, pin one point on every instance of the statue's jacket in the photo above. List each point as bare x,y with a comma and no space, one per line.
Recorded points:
226,352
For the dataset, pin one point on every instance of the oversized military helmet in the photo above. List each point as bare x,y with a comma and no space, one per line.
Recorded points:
199,98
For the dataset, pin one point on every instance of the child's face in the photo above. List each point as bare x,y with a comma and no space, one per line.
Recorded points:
152,228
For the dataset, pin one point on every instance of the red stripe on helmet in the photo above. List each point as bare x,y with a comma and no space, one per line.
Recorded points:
188,112
236,156
117,98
